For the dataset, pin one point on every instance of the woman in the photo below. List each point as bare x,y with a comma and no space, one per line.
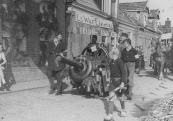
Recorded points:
118,79
2,63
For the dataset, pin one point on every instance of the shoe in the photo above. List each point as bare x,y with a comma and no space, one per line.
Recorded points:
1,89
7,89
51,91
123,114
58,93
109,117
129,97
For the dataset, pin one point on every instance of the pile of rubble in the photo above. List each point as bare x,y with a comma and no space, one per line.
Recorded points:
161,110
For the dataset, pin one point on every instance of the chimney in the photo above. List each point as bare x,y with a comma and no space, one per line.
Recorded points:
168,23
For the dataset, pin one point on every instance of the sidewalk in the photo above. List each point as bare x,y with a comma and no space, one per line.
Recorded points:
147,90
27,86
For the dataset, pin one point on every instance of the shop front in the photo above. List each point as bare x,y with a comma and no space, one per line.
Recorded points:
84,27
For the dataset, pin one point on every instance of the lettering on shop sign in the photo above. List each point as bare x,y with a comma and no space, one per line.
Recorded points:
88,19
94,31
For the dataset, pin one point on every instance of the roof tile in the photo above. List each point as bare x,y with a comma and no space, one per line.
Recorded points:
133,6
88,3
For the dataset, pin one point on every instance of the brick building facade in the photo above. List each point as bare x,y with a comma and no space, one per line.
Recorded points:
32,44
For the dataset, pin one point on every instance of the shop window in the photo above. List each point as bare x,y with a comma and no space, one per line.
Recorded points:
138,15
103,39
93,39
129,35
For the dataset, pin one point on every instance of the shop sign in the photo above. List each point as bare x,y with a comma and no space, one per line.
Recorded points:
91,20
94,31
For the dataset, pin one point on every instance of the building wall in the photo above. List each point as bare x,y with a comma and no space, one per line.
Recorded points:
32,8
61,16
0,30
142,16
129,30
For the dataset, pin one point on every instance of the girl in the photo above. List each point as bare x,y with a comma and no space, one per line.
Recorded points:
2,63
118,78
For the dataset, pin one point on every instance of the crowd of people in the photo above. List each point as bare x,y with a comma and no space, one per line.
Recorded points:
124,60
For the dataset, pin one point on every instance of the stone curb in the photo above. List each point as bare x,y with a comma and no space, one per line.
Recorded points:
7,92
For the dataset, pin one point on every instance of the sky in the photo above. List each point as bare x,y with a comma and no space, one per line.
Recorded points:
165,7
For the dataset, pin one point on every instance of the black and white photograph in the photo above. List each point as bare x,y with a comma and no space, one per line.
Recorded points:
86,60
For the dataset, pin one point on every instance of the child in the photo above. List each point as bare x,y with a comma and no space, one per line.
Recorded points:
118,78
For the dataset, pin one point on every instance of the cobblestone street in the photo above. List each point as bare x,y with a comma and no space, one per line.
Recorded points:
37,105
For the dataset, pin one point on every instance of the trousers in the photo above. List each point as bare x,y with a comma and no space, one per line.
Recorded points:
55,75
130,70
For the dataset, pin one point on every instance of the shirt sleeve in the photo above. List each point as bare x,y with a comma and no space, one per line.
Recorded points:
47,51
123,72
122,54
136,52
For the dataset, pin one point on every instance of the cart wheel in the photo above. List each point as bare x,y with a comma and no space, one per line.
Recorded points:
81,90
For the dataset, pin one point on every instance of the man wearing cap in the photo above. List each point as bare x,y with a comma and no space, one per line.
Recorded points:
54,70
121,41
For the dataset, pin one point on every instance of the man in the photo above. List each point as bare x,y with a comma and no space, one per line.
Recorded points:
118,79
129,56
55,48
152,49
171,54
141,54
121,42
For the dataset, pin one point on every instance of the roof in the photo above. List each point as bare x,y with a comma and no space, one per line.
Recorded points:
136,6
164,29
88,3
122,16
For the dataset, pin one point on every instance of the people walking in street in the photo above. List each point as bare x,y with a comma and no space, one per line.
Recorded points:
137,61
129,56
171,58
121,42
118,80
2,68
141,59
55,48
152,49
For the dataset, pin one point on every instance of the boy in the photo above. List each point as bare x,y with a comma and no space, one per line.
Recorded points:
118,79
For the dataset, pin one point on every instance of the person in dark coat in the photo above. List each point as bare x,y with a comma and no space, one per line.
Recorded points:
54,70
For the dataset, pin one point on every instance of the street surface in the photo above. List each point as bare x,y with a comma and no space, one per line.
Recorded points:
37,105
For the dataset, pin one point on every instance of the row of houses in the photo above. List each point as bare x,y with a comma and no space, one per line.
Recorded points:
79,20
135,19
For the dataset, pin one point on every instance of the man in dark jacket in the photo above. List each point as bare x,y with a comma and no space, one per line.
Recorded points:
54,70
129,56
